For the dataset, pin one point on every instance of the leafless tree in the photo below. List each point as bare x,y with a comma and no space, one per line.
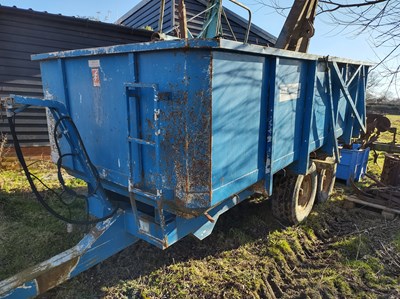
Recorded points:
379,19
374,81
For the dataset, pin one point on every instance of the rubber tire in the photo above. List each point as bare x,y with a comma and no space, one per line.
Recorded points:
323,190
285,204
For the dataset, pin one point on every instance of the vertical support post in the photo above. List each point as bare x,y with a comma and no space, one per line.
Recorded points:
333,115
157,133
361,107
302,165
354,90
157,139
272,87
61,66
364,86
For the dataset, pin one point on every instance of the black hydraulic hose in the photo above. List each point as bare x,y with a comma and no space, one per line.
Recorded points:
39,197
61,178
61,156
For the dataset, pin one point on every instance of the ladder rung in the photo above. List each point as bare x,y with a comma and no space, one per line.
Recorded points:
144,193
141,141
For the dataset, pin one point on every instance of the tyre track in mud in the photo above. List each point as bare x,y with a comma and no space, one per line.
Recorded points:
302,275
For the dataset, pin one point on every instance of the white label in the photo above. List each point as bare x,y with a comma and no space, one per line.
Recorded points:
289,92
94,63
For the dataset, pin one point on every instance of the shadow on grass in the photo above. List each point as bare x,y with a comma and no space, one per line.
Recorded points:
249,222
29,234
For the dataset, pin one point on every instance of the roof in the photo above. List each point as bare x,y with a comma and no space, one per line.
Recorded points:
70,19
233,17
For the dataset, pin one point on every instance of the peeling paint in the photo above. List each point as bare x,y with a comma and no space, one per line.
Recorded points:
47,94
98,109
53,148
56,275
24,286
105,78
268,166
144,225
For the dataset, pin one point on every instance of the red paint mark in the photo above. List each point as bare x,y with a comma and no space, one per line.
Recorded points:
96,77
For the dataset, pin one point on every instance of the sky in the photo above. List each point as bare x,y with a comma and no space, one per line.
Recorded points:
326,41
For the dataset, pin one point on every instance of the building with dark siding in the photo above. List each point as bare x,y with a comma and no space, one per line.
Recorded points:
25,32
146,13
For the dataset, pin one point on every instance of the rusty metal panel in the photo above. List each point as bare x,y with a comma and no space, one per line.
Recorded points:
107,112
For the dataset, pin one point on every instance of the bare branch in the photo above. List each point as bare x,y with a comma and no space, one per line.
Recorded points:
378,20
338,5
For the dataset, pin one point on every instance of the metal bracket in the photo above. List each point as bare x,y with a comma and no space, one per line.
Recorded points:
332,112
28,101
345,89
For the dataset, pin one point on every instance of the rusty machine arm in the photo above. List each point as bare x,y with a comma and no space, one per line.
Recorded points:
298,28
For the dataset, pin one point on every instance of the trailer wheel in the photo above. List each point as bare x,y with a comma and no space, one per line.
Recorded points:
295,196
326,182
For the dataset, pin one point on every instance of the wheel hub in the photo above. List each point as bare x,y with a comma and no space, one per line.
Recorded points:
305,192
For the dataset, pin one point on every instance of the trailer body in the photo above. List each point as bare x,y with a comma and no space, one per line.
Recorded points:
200,121
181,131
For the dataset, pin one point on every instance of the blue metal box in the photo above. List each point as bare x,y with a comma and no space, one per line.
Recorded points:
192,123
353,163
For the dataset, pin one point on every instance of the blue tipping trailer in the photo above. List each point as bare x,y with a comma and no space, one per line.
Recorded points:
178,132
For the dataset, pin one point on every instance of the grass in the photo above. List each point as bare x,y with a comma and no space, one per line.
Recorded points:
354,247
28,233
